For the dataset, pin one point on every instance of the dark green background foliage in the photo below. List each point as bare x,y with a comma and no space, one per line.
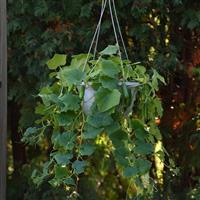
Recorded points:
164,34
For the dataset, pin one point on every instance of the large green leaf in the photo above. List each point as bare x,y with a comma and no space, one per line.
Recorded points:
138,128
121,154
130,171
78,61
118,138
32,135
143,165
30,131
91,132
137,124
109,83
79,166
69,181
112,128
99,120
56,61
60,172
65,140
65,119
48,97
107,99
109,68
140,167
154,130
155,78
87,149
70,102
110,50
63,158
71,76
143,148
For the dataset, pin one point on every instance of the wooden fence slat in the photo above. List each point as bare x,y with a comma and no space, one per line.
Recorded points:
3,98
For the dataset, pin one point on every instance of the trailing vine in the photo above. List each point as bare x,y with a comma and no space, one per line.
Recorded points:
105,100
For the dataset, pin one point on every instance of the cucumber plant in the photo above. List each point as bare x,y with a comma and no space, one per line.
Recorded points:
105,98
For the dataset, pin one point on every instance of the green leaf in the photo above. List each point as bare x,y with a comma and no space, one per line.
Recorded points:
141,134
99,120
63,159
56,61
78,61
69,181
65,140
107,99
91,132
158,107
118,138
41,109
140,70
143,165
70,102
110,50
154,130
156,76
143,148
31,135
130,171
65,119
113,128
48,97
55,182
109,68
121,155
109,83
71,76
79,166
137,124
30,131
60,172
87,149
138,127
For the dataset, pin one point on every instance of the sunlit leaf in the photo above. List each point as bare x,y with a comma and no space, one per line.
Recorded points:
56,61
110,50
71,76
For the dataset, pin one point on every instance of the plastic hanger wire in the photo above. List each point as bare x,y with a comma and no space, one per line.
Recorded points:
96,33
119,29
116,28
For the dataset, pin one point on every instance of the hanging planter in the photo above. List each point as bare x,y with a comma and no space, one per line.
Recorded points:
92,98
89,93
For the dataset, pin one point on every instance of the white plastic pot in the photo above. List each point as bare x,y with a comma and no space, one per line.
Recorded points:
89,95
88,99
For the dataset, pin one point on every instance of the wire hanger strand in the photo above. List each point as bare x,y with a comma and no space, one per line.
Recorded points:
96,34
116,28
